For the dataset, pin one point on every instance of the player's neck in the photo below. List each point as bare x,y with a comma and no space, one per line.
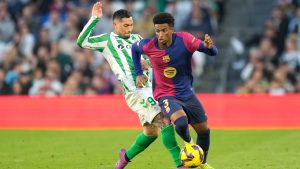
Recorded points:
165,45
119,35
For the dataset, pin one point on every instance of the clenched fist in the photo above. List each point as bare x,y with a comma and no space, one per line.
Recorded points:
141,81
208,43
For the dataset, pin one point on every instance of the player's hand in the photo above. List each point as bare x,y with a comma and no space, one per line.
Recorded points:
141,81
208,42
145,65
97,9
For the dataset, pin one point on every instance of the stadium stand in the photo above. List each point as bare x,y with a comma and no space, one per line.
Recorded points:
258,43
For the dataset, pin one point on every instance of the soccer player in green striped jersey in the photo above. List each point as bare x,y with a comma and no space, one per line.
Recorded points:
116,48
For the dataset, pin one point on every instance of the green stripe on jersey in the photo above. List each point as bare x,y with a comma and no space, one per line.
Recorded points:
87,31
115,55
128,59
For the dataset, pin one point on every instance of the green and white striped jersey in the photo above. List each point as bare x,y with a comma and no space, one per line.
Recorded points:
116,50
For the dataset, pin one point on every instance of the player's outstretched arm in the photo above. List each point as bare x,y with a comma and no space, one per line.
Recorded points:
84,39
207,46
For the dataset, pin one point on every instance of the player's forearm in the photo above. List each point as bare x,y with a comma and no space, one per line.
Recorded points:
82,39
136,57
212,51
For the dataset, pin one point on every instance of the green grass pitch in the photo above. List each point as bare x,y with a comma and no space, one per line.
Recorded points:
98,149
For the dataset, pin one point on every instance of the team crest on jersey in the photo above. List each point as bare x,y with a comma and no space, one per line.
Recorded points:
166,58
170,72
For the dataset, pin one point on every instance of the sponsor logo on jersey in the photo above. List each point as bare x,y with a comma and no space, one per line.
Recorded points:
170,72
166,58
121,46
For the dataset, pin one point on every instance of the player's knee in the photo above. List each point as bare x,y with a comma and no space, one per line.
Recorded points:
151,130
181,123
160,121
200,127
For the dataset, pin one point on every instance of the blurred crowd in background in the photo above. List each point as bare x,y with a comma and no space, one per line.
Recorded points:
39,55
273,57
38,51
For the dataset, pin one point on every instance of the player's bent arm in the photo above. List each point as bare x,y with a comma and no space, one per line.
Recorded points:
136,57
209,51
85,40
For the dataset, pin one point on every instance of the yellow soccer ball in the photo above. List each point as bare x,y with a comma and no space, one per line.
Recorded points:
191,155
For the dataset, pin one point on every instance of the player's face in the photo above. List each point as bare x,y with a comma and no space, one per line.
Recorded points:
163,33
123,27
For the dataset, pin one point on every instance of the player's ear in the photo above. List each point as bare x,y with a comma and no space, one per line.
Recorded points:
171,28
115,23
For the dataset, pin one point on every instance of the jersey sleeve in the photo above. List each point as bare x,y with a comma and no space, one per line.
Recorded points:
85,40
136,52
212,51
190,41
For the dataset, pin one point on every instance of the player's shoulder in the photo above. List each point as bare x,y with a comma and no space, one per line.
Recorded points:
183,34
136,36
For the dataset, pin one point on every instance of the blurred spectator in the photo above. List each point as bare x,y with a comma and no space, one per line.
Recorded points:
4,88
280,22
61,6
13,75
144,26
7,26
68,42
64,61
198,22
279,83
27,42
48,86
180,10
43,39
73,85
255,57
291,55
295,21
55,26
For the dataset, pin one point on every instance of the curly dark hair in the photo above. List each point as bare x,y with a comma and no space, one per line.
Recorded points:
162,18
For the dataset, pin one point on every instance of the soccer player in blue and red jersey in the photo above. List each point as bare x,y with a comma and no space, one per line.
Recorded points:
170,54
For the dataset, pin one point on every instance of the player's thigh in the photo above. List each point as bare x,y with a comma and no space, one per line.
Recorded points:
143,103
194,110
171,108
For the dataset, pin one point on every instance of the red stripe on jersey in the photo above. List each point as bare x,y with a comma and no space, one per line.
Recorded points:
163,86
190,42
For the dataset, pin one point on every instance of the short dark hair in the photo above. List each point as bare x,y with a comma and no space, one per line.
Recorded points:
121,13
162,18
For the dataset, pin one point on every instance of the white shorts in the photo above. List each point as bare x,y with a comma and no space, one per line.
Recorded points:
142,102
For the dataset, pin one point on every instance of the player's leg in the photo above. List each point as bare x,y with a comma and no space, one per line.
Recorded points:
203,140
138,103
198,120
168,138
203,137
143,140
173,110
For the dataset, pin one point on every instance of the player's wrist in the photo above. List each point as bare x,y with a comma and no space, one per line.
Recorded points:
95,17
202,45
